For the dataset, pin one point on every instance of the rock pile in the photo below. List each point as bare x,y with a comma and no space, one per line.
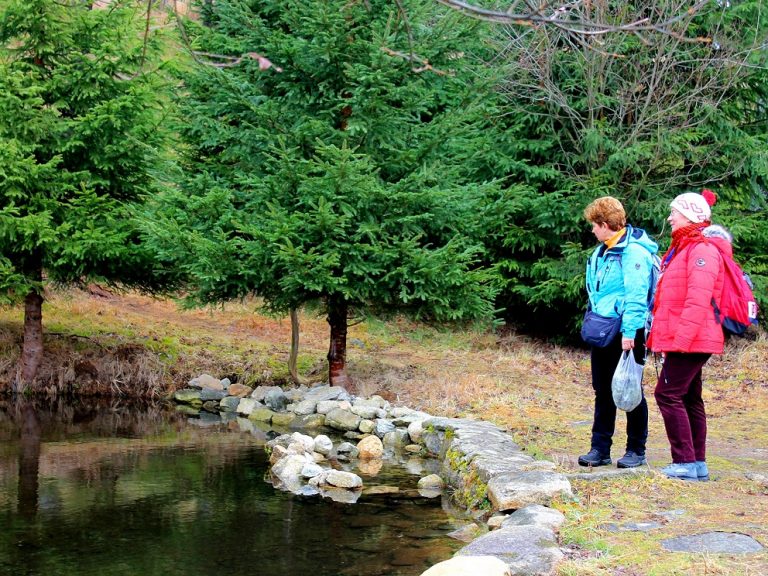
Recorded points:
488,473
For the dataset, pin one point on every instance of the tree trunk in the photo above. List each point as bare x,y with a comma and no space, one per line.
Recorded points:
337,353
293,358
32,347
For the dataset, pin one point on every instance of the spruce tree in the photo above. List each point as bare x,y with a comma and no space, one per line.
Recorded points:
79,136
348,180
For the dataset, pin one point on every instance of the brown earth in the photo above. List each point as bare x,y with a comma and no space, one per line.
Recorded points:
98,342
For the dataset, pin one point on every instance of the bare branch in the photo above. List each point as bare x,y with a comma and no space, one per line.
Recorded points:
571,17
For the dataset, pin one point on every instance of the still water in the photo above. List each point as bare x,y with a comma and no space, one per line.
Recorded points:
116,490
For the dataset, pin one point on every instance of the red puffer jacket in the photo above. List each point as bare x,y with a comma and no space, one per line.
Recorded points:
684,319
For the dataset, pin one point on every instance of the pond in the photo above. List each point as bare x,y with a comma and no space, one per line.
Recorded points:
114,489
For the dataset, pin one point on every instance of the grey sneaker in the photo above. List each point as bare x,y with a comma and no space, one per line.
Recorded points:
594,458
702,471
631,460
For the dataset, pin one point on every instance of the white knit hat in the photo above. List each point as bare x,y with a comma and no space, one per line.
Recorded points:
694,206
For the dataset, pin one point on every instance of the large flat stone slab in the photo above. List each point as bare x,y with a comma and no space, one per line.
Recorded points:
516,490
714,543
527,550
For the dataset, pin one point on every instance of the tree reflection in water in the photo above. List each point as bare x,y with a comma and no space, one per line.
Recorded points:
117,489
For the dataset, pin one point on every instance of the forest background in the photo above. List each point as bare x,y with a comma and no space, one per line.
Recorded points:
366,162
363,158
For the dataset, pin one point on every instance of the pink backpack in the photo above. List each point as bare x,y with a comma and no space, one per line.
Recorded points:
737,309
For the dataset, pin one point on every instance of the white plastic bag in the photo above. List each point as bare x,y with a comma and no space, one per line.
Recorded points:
627,383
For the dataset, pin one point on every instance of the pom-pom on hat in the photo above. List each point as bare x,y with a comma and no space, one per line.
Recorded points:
695,207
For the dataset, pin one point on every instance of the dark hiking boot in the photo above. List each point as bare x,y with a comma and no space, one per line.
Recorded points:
631,460
594,458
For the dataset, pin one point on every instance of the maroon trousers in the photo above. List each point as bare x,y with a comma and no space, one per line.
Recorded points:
678,395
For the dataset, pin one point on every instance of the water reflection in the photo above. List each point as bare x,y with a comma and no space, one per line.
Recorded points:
115,489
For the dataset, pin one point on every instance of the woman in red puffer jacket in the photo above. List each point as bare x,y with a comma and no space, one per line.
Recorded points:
686,332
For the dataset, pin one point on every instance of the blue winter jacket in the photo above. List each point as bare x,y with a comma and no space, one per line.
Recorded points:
618,279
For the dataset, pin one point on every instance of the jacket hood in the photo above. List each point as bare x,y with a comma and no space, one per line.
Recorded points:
637,236
720,237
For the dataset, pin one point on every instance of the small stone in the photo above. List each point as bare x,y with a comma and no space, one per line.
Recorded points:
347,449
341,419
415,430
305,407
283,419
261,415
229,404
323,444
188,396
239,390
535,515
370,448
496,521
470,566
383,427
246,406
310,470
433,481
326,406
367,426
342,479
308,421
210,394
276,400
208,381
378,490
277,453
465,533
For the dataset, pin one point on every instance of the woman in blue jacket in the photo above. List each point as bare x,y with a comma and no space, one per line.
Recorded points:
618,283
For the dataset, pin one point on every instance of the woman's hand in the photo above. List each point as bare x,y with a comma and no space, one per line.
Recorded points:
627,343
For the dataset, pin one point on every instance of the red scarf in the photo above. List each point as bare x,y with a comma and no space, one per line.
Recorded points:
681,238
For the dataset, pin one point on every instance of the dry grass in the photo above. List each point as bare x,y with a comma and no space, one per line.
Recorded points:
539,392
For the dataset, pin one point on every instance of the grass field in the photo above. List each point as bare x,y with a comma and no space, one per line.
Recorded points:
97,341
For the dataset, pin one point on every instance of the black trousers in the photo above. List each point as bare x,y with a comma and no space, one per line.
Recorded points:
604,362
